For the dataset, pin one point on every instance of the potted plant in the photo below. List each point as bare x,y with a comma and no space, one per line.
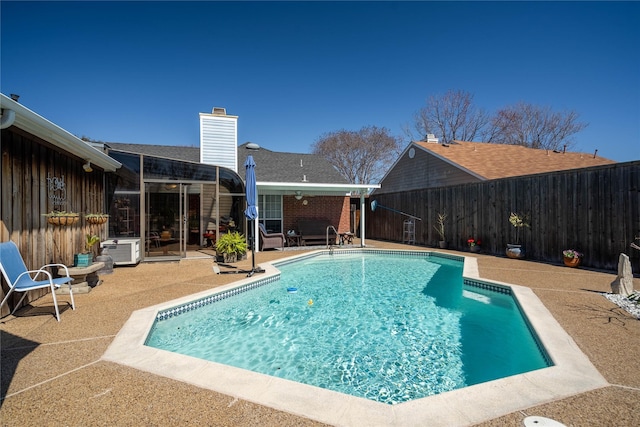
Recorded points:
62,218
517,221
231,247
96,218
85,259
439,227
474,244
571,257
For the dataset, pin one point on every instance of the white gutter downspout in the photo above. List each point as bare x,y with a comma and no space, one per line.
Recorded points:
8,117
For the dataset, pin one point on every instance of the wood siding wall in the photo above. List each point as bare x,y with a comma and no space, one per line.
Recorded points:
424,170
593,210
26,164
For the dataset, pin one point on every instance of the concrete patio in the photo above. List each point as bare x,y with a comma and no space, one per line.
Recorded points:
52,372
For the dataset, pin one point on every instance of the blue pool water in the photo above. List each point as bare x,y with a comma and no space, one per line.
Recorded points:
387,327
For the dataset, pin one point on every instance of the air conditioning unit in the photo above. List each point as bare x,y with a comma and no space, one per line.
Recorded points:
123,251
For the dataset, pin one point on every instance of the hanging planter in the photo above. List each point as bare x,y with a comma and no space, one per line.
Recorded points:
96,218
62,218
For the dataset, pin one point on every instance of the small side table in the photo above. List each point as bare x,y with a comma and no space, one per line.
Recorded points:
294,240
346,238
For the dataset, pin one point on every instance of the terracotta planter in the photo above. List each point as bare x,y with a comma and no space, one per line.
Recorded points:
572,262
62,220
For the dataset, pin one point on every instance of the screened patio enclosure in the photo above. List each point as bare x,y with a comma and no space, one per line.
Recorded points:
172,207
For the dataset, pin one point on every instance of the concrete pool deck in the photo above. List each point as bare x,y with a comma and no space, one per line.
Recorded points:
56,373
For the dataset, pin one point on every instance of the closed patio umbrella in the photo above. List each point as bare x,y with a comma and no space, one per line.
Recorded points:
252,205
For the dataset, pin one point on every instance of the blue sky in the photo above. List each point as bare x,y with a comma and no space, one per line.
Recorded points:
140,72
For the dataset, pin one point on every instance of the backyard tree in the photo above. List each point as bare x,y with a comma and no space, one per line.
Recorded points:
534,126
363,156
452,116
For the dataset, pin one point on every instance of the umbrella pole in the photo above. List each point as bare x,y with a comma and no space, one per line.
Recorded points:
253,255
253,249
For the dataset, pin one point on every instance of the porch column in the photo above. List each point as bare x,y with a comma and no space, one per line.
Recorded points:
362,222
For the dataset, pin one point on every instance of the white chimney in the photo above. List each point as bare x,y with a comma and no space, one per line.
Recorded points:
432,138
219,139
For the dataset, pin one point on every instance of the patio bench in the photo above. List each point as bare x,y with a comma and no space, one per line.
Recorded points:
315,231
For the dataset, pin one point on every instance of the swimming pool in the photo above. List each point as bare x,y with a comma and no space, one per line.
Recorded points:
570,374
390,327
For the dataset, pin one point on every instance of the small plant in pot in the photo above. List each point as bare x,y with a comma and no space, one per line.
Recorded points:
439,227
517,221
474,244
571,257
231,247
85,259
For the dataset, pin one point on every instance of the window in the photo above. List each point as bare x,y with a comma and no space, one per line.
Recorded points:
270,211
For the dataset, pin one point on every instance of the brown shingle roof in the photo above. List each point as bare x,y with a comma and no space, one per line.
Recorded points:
492,161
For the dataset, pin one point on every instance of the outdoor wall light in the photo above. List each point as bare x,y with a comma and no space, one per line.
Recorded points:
298,195
87,167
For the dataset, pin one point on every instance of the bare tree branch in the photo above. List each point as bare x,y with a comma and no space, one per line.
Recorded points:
535,127
362,157
452,116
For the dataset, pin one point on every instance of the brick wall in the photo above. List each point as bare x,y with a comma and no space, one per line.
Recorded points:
334,208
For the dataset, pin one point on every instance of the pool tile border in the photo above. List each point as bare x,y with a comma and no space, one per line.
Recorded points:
219,296
571,374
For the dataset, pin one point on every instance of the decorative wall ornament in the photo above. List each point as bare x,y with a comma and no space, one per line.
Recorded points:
57,191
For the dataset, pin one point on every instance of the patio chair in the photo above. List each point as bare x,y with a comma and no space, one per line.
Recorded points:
21,280
271,240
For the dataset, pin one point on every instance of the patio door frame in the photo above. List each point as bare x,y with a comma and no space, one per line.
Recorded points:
152,217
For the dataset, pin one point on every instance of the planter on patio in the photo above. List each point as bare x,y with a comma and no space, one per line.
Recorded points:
572,262
82,260
515,251
231,247
571,257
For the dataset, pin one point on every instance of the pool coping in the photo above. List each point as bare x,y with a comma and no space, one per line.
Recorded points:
571,374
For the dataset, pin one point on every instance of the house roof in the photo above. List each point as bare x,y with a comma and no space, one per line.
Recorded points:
189,154
277,172
273,166
493,161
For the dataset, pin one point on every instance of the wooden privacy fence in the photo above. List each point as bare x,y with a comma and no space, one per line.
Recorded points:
593,210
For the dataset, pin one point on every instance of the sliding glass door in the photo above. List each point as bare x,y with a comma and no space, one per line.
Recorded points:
166,226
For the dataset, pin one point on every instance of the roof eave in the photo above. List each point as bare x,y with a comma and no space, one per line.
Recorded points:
37,125
316,188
